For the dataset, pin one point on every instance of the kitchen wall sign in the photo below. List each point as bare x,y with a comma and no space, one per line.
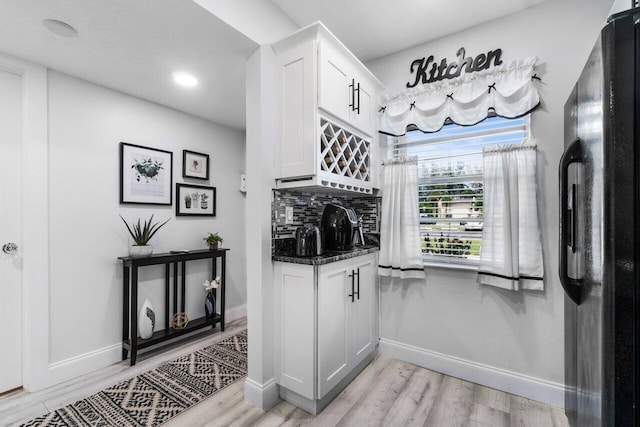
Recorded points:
428,71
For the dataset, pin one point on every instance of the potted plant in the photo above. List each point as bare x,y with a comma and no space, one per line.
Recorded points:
213,240
141,234
204,204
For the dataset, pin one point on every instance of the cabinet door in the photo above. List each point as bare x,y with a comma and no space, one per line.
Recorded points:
334,305
297,145
364,117
335,94
362,311
294,327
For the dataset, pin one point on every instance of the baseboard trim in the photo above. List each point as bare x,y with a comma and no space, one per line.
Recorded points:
235,313
263,396
314,407
544,391
81,364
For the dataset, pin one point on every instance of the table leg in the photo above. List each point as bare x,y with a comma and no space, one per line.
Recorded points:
214,269
223,279
183,286
134,316
125,309
175,287
167,275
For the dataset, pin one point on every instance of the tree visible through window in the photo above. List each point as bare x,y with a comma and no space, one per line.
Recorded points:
450,179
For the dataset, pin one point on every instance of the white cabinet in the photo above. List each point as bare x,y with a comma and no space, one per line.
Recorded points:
345,318
344,91
325,323
295,318
326,127
363,314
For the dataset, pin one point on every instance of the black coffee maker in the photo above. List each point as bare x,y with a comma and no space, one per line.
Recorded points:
338,227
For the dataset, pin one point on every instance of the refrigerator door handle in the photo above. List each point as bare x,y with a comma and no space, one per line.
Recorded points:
573,154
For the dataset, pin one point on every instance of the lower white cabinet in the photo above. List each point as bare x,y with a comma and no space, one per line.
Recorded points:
326,322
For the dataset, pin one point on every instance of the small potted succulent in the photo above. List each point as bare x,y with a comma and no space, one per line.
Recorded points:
213,240
141,234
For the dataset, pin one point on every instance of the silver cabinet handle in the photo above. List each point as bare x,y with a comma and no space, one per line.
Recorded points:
10,248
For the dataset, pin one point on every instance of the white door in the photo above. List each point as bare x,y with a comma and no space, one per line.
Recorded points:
10,231
362,320
298,144
334,306
335,91
365,117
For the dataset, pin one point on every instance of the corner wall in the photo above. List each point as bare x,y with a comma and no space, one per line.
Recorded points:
86,125
508,340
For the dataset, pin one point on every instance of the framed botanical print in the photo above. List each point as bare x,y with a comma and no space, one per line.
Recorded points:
195,200
146,175
195,165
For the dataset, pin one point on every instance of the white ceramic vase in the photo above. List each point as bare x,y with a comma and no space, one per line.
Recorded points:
146,320
140,251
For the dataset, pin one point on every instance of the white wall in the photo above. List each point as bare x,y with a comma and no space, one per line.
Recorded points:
261,21
260,387
449,321
86,124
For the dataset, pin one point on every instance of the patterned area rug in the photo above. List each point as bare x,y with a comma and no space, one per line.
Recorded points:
156,396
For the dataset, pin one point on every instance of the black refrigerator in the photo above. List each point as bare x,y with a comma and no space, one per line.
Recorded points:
599,220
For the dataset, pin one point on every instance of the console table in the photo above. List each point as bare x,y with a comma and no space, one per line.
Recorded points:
174,262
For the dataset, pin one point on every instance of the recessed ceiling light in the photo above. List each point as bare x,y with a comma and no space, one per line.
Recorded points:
60,28
185,79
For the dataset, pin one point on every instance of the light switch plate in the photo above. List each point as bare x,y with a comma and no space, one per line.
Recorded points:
288,215
243,183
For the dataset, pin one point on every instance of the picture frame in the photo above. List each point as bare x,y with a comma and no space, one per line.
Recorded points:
146,175
195,200
195,165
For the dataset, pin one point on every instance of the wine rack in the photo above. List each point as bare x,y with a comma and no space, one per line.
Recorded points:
344,153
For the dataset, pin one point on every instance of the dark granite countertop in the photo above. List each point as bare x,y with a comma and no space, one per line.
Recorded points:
327,257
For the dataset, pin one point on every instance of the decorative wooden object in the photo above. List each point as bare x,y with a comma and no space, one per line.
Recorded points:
179,321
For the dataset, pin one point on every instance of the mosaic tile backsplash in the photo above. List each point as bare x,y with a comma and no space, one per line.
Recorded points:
308,207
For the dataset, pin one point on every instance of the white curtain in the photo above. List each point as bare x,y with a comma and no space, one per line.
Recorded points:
511,254
400,252
509,90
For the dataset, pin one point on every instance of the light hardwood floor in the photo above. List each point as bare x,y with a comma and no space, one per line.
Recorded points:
387,393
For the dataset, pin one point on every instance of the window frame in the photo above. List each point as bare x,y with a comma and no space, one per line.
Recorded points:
439,261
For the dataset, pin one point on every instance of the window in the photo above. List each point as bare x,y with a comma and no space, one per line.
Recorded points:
450,184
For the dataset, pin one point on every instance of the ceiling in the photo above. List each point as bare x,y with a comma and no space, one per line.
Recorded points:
134,46
375,28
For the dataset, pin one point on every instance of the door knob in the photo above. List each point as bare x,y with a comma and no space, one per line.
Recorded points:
10,248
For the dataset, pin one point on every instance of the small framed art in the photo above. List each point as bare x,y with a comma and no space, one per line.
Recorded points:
195,200
195,165
146,175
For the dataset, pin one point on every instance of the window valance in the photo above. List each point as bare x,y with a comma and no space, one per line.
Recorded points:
508,91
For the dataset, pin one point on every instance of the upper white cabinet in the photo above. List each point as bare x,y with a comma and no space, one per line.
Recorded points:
344,91
327,121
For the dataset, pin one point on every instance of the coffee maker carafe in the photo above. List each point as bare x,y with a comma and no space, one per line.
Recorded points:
358,234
